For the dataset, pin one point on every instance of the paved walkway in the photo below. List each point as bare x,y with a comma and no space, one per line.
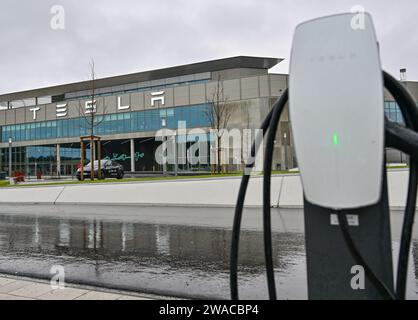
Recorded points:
18,288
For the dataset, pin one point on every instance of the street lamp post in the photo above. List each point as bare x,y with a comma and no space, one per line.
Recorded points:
285,150
163,125
176,164
10,161
275,145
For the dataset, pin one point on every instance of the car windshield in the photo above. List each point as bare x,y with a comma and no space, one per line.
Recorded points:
96,164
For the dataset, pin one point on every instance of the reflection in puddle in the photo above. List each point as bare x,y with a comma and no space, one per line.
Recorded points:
183,261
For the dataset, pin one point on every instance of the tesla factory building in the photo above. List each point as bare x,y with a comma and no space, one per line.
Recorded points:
43,126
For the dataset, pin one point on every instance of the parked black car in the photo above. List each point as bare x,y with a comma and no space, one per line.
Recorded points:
109,168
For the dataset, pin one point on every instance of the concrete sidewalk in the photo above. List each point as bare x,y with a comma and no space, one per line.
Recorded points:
286,192
19,288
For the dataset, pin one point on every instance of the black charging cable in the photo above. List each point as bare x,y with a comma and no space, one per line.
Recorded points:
268,160
410,113
236,227
399,137
404,139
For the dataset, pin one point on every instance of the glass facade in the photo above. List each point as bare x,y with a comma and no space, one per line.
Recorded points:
140,121
393,112
18,159
32,159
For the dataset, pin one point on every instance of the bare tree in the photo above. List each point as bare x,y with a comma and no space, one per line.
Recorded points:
244,141
91,119
218,116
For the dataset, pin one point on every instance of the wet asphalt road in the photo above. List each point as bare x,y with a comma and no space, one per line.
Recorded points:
183,261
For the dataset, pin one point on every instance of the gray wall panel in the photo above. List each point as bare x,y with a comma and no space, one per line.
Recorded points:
74,109
51,111
181,96
264,86
237,115
197,94
110,104
147,100
100,106
20,115
2,118
413,89
278,84
211,90
168,97
232,89
137,101
249,88
236,73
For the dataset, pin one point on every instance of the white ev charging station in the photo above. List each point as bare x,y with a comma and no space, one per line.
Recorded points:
336,96
338,130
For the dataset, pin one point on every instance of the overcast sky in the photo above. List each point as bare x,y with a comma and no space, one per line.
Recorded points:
128,36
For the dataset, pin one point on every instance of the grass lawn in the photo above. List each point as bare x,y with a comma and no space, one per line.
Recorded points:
5,183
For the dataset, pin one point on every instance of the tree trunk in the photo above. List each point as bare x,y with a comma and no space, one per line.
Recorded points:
92,159
219,155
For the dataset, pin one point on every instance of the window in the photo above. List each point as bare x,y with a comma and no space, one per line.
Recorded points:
393,112
138,121
120,123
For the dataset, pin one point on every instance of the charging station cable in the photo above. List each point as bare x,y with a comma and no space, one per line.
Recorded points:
236,228
409,111
398,139
268,158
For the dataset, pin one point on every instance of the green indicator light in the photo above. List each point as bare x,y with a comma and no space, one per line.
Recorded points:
335,139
